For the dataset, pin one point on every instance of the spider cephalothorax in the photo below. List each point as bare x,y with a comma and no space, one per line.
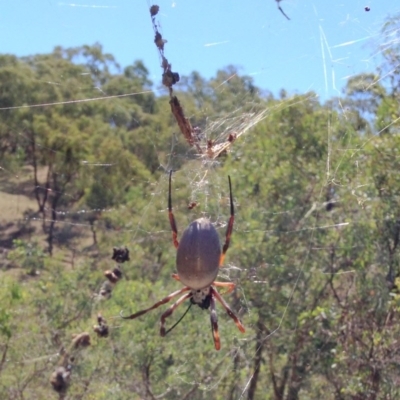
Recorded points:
199,256
201,297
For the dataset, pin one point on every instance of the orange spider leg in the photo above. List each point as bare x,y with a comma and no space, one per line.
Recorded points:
158,304
229,285
228,310
176,277
214,324
170,310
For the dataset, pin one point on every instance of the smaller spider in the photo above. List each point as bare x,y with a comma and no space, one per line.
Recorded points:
198,259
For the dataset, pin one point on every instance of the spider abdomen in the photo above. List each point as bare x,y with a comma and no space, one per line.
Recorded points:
198,255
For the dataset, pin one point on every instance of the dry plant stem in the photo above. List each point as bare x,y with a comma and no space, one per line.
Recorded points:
60,378
169,79
212,149
183,123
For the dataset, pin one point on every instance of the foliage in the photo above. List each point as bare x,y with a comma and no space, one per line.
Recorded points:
28,256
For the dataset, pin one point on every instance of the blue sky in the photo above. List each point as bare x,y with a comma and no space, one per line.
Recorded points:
324,42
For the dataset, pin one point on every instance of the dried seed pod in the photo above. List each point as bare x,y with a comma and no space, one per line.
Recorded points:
192,205
154,10
60,379
120,254
159,41
81,340
101,329
113,275
232,137
169,78
106,289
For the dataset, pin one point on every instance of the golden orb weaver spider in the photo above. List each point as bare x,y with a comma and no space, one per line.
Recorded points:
198,259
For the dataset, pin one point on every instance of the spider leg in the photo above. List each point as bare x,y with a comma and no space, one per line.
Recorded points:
229,285
214,324
171,216
230,226
280,9
227,309
171,309
158,304
176,277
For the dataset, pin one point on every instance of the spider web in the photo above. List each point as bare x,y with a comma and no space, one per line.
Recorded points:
337,43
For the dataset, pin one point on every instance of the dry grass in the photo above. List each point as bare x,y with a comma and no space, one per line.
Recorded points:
16,199
12,207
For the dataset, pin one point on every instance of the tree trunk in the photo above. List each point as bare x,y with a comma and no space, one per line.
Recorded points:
260,341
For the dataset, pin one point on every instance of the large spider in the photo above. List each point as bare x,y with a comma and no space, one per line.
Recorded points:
198,259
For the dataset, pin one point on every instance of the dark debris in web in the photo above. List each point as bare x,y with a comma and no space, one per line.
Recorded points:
191,134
